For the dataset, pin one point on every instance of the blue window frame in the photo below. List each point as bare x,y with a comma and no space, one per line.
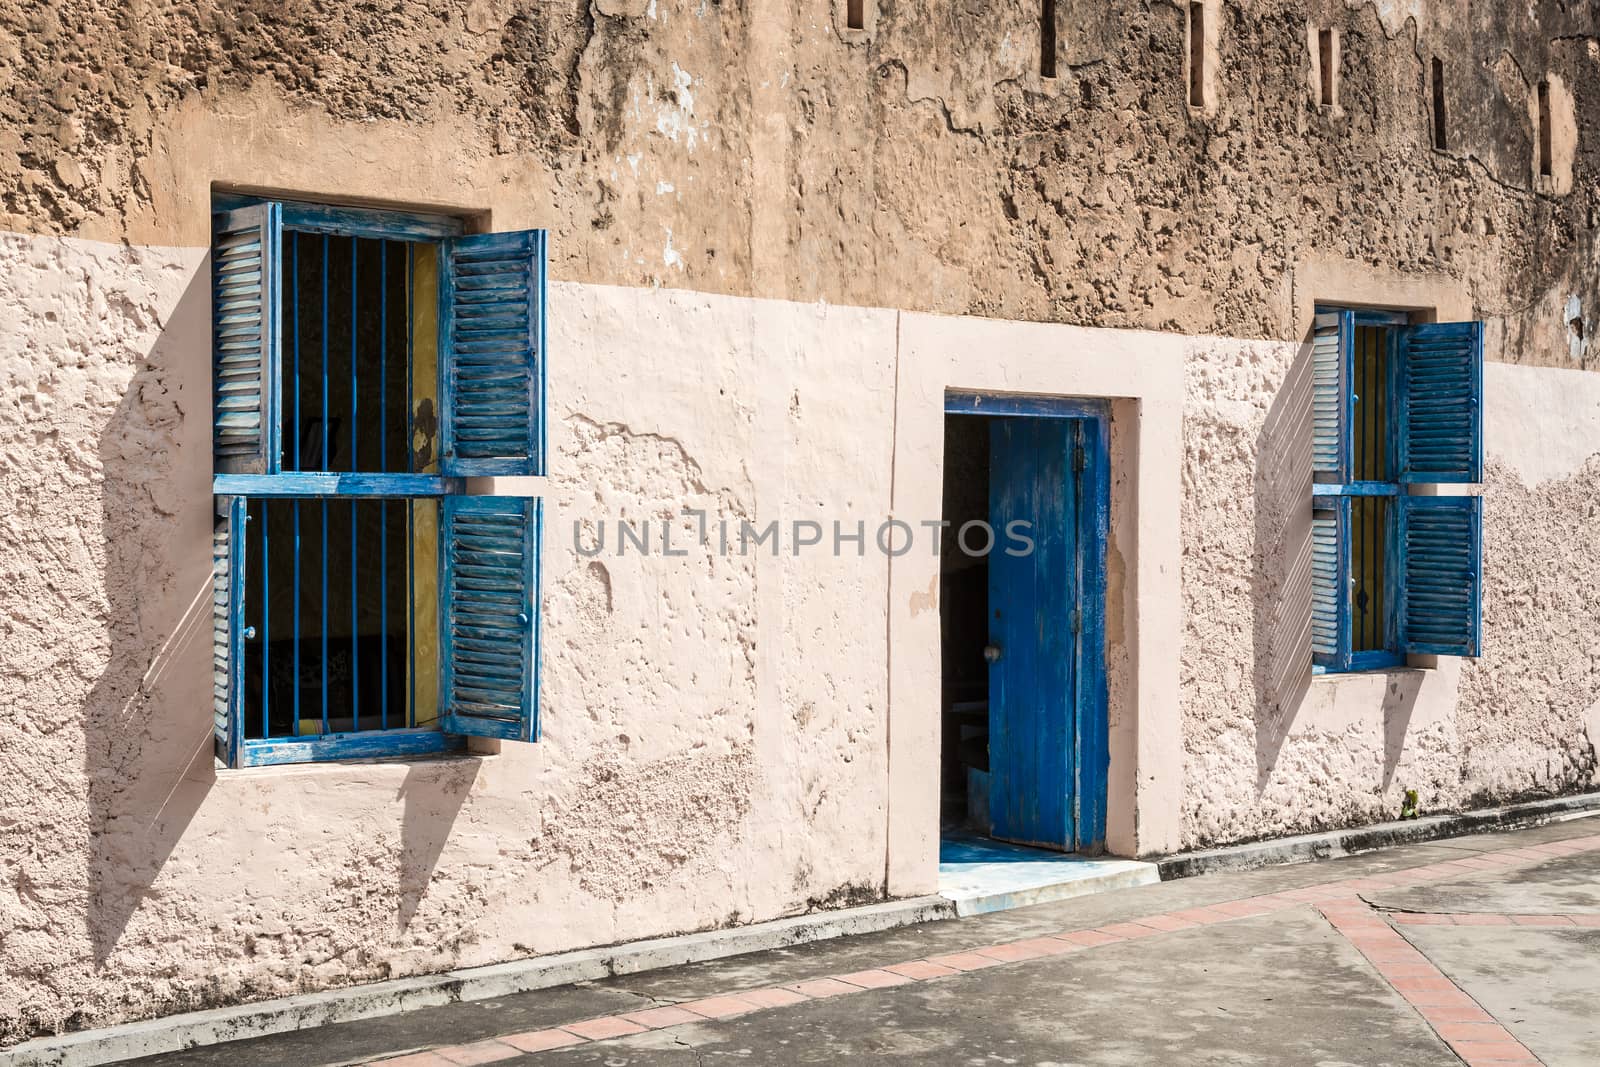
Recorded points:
1395,569
365,364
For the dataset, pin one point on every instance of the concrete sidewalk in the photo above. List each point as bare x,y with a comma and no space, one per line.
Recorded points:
1483,949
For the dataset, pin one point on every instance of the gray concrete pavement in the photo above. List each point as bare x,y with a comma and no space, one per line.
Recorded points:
1264,979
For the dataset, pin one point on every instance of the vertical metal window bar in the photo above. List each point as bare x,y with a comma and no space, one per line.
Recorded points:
284,526
324,465
411,468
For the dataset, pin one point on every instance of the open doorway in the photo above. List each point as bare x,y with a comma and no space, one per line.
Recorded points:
963,611
1023,709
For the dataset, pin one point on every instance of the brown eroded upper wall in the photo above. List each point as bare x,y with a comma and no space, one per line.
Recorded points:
922,163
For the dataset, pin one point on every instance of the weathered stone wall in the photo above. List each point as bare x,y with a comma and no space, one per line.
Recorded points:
920,164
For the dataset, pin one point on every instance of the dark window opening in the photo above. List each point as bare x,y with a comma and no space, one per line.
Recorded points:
346,354
1197,55
855,14
1545,168
1047,39
1369,516
334,636
964,624
1439,139
1325,65
339,594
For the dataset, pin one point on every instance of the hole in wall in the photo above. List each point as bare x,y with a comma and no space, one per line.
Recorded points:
1438,104
1544,130
1325,49
855,14
1197,54
1047,39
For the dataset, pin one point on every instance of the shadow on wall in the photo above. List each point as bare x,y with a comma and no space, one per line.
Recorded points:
1281,565
147,721
1281,583
149,761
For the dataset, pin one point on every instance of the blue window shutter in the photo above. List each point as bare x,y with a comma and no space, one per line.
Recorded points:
1332,344
227,622
1440,553
489,548
1441,402
245,298
492,340
1330,584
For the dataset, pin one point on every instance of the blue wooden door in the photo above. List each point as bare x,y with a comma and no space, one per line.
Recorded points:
1046,724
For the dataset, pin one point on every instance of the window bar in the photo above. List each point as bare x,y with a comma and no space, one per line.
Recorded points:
294,290
324,499
411,468
383,465
355,618
266,623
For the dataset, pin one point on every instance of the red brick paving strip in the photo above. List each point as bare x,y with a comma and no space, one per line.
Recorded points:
656,1018
541,1040
1458,1019
603,1027
481,1052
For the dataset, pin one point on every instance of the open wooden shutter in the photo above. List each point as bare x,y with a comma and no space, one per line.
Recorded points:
1440,410
490,597
227,622
245,298
1332,342
1441,595
492,338
1330,583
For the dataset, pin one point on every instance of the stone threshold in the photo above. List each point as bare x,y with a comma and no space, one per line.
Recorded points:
172,1033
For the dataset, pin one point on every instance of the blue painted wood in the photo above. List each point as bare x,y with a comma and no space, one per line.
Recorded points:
1057,407
245,300
1330,583
1440,550
1091,700
344,484
369,744
381,223
1374,661
489,598
1440,403
491,336
1319,489
227,628
1332,348
1032,597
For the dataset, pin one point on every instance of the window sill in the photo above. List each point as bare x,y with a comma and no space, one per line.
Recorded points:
364,747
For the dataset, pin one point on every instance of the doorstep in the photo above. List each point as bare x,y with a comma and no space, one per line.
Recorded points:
980,875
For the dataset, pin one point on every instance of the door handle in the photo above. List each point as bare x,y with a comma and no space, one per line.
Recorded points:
991,653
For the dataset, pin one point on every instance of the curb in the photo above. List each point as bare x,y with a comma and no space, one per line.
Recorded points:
173,1033
1309,847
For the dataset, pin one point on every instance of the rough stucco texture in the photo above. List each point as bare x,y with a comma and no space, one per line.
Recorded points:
688,143
688,778
1268,749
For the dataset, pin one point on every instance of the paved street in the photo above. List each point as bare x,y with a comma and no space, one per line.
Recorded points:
1483,949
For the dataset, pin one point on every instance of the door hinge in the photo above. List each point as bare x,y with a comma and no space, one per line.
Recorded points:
1077,620
1080,460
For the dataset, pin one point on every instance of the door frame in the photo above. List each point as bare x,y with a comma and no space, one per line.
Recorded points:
1090,705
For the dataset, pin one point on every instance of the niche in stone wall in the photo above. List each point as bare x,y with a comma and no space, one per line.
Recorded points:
1553,115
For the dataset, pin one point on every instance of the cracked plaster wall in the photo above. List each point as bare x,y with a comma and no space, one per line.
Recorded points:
921,165
1270,750
714,746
